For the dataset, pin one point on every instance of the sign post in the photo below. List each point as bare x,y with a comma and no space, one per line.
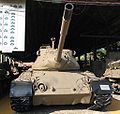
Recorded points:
12,25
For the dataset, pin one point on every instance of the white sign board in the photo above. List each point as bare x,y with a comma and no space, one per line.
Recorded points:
104,87
12,26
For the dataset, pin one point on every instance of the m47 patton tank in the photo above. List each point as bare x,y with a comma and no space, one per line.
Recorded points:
55,79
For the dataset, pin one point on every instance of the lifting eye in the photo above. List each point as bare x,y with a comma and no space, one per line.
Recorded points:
42,87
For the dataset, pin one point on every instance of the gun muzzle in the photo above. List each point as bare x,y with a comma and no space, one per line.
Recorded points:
68,9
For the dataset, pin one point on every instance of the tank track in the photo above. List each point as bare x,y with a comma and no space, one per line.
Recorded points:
102,94
101,101
21,104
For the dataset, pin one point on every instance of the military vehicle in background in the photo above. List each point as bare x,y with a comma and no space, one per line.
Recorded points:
113,74
5,74
113,66
10,69
55,78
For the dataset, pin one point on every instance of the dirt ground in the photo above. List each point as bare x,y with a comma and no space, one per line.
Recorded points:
114,108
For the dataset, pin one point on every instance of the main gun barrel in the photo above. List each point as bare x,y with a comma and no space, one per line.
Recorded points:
67,14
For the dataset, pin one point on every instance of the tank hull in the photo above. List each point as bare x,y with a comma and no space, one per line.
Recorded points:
61,88
36,87
70,99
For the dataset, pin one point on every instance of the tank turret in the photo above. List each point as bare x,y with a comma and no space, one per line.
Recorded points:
58,59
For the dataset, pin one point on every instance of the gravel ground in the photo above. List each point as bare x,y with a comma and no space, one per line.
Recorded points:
62,110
